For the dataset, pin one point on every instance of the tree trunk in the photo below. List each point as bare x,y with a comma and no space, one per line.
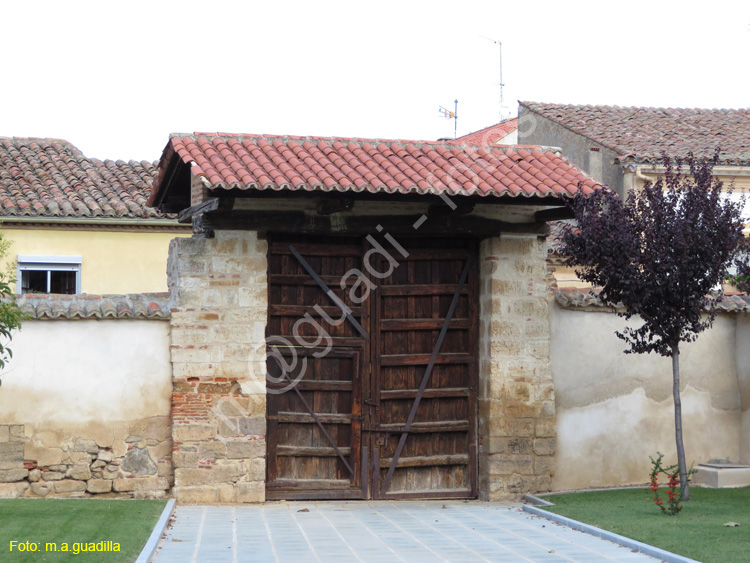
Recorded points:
685,490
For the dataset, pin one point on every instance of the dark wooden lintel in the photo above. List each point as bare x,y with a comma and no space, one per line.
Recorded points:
331,206
442,209
321,196
298,222
554,214
211,205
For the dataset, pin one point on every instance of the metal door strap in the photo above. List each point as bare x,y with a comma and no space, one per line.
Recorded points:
320,425
340,304
426,377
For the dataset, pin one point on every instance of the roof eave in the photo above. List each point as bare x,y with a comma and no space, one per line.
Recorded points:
169,163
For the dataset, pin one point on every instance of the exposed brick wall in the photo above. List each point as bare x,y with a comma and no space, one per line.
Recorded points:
218,404
516,394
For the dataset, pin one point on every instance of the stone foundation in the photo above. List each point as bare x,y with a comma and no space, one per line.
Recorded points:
516,394
13,472
123,460
218,327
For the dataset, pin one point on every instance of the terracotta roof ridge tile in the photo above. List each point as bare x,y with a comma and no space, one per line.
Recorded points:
271,138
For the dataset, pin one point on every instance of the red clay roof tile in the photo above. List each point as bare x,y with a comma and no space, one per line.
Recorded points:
490,135
644,133
52,178
259,162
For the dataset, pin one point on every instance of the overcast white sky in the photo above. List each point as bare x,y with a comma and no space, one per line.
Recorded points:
115,78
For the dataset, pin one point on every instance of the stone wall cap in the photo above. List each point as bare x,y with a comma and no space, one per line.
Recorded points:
587,298
142,306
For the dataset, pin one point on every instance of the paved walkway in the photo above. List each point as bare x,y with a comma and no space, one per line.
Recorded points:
377,531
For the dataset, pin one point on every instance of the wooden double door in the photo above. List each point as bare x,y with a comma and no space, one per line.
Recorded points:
372,368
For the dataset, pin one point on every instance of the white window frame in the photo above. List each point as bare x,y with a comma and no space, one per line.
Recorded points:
49,263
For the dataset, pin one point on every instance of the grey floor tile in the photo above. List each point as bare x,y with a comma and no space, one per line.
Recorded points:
377,531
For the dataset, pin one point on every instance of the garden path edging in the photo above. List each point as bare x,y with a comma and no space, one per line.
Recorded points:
153,541
644,548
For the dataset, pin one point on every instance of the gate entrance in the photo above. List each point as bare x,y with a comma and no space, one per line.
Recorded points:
372,363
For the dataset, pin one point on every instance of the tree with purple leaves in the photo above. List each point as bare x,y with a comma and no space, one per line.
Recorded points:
658,256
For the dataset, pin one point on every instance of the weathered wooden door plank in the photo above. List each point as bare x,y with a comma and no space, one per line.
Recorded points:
426,377
315,425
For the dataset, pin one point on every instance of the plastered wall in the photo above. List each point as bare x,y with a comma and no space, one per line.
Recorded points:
742,348
614,410
89,404
112,261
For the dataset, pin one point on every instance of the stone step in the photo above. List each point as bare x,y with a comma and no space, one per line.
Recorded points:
722,475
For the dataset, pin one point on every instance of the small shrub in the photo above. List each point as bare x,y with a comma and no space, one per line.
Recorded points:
673,490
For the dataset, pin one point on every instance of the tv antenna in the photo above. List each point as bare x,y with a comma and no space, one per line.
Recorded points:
501,113
448,114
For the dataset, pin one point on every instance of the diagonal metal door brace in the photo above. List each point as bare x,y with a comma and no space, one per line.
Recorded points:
317,420
340,304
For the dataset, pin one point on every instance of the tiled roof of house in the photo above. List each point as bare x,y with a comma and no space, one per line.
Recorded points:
577,298
144,306
226,161
52,178
644,133
490,135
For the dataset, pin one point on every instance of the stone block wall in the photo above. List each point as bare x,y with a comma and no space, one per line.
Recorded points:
13,473
516,395
218,324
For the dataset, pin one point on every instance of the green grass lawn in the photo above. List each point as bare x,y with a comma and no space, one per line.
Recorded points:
696,532
76,521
